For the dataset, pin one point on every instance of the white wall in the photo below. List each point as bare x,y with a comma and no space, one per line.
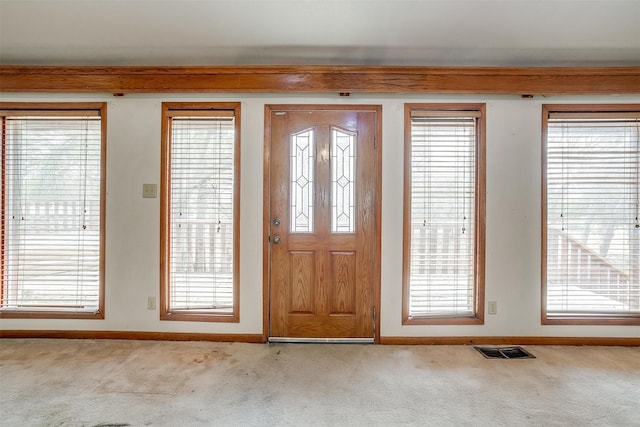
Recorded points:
513,215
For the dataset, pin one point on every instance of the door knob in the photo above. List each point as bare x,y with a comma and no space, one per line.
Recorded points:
276,222
276,239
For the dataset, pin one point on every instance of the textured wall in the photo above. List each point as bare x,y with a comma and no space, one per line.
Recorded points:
513,216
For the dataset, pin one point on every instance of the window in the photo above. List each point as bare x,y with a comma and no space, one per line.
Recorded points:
53,198
199,213
444,224
590,225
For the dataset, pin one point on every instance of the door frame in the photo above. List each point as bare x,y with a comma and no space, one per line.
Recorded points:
266,248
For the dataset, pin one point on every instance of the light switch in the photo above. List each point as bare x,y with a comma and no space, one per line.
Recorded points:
149,191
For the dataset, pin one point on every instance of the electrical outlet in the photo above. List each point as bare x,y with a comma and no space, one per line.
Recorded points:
492,307
149,191
151,303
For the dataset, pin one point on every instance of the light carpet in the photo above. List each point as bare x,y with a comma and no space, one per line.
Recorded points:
46,382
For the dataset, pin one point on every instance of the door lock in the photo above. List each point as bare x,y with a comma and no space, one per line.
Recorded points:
276,222
276,239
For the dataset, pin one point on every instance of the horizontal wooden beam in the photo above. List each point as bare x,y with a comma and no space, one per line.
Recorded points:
321,79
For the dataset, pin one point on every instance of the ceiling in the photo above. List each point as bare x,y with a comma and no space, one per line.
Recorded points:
321,32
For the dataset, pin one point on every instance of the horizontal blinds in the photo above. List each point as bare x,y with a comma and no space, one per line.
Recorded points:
49,114
587,116
202,211
51,175
593,245
207,114
443,182
418,114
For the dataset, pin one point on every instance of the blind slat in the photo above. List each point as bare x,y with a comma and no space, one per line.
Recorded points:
192,114
451,114
606,117
46,115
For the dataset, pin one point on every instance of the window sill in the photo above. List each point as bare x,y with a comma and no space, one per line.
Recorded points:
41,314
442,320
182,316
592,320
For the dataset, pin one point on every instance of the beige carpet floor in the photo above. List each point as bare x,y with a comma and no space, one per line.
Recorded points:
153,383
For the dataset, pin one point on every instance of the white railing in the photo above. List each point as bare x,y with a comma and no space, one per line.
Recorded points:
205,247
203,275
585,269
54,215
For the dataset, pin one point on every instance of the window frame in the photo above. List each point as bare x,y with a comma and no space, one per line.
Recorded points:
166,312
480,216
546,318
49,109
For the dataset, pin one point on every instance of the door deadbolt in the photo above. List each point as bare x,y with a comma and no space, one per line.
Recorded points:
276,239
276,222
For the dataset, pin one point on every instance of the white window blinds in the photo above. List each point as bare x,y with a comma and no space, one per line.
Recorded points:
592,226
202,212
51,211
442,226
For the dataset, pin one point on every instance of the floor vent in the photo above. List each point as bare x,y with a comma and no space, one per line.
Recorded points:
505,353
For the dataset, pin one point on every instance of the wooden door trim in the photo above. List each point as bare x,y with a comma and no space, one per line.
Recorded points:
268,109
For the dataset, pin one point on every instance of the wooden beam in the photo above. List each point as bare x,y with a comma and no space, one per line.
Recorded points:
321,79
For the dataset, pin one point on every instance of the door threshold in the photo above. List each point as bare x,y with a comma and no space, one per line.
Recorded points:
322,340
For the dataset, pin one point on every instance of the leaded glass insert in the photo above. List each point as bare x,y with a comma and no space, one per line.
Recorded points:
343,179
302,161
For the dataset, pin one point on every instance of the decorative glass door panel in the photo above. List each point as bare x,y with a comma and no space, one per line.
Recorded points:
343,152
301,169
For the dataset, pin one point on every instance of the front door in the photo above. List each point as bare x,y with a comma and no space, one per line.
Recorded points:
323,221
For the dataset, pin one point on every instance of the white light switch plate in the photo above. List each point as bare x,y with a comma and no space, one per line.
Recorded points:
492,307
149,191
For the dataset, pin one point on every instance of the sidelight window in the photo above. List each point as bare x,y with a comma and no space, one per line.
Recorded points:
53,193
591,199
444,214
199,217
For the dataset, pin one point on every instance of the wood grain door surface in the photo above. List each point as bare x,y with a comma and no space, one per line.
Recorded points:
322,223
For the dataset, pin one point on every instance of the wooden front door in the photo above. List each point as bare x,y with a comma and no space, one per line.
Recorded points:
322,221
